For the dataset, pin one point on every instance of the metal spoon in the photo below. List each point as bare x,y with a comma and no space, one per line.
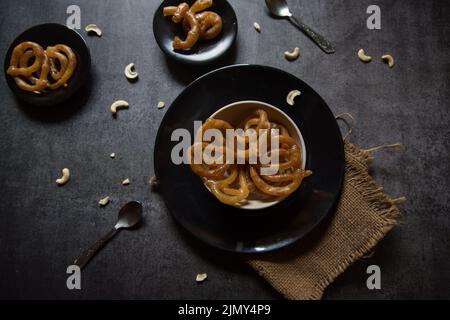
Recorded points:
129,216
280,9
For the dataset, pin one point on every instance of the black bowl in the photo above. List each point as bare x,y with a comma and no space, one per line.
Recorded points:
47,35
234,229
203,52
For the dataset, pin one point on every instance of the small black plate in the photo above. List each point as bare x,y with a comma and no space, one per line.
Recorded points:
203,52
47,35
234,229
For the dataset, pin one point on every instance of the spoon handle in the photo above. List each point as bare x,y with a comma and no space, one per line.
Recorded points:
86,256
323,43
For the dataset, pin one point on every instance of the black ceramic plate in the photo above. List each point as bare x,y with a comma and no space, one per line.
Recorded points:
204,51
47,35
234,229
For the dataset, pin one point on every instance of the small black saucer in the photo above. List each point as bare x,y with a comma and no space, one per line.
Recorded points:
203,52
47,35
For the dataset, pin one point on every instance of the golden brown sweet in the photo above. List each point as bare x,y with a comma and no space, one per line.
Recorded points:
210,25
61,59
203,169
233,183
225,192
35,84
295,179
31,66
196,24
63,75
192,35
15,70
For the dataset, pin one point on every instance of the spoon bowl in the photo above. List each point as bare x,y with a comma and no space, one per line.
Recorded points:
278,8
129,216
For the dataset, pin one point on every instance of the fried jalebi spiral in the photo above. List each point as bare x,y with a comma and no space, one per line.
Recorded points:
35,84
24,62
196,24
258,120
224,191
63,62
66,70
210,25
192,35
15,70
295,179
235,183
211,123
31,66
290,149
214,170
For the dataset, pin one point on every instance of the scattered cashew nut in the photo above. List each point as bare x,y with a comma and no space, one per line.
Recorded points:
119,104
201,277
126,182
388,59
292,55
93,28
161,104
65,177
257,27
104,201
363,57
291,96
130,72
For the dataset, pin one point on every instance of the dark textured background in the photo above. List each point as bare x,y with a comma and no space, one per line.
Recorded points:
42,227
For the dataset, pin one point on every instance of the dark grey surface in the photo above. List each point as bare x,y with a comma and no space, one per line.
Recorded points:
43,227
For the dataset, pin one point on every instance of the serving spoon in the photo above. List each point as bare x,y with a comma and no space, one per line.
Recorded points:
129,216
279,8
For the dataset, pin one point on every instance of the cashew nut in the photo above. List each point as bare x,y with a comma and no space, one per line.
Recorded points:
161,104
363,57
257,27
130,72
93,28
112,155
126,182
104,201
388,59
291,96
292,55
65,177
201,277
119,104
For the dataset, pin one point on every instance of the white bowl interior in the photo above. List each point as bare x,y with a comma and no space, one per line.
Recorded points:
235,113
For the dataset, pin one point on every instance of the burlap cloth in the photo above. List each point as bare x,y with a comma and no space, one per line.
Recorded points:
364,215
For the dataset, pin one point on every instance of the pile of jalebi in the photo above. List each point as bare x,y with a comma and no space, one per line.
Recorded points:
234,182
35,69
197,25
